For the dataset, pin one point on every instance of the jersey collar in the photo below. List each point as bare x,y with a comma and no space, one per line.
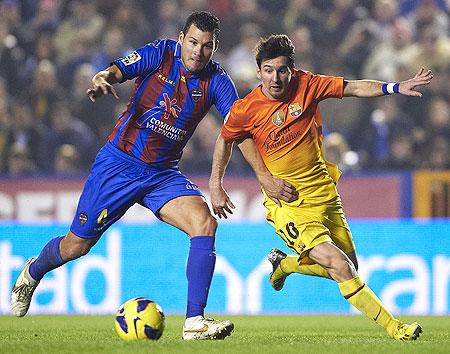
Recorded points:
177,52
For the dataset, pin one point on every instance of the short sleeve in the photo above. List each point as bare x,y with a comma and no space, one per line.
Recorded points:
224,92
326,87
235,126
142,61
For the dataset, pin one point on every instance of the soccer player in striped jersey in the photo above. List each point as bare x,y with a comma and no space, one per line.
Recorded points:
282,117
176,83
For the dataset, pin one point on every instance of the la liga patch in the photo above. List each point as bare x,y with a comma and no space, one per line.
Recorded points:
131,58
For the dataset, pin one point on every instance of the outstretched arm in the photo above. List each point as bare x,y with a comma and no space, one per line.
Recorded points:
102,83
372,88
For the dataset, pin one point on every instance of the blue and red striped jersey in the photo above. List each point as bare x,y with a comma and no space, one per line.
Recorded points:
167,102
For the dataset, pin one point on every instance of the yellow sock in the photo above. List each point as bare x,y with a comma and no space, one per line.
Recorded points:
291,265
361,297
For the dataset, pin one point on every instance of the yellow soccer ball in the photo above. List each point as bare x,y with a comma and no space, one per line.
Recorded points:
139,318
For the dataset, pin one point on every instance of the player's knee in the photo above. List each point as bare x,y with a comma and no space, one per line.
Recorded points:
77,251
84,250
355,264
354,260
210,226
73,247
344,267
207,226
337,262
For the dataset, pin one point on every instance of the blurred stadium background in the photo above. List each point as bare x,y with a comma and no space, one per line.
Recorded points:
395,151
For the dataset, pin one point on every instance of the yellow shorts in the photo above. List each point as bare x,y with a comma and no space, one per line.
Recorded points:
307,225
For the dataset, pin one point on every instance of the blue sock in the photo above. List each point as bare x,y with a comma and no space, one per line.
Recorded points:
199,272
48,259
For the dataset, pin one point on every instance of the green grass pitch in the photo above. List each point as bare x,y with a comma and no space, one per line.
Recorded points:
253,334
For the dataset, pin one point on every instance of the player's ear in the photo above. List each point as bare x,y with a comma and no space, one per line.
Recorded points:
181,37
258,72
216,45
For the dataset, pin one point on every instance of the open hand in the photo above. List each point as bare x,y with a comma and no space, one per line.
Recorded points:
407,87
99,88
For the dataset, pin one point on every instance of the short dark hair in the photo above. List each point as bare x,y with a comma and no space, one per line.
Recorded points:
204,21
276,45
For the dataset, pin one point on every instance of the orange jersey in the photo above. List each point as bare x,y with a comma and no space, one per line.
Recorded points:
288,133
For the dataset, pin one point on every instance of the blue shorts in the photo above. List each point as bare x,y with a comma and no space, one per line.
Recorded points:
117,181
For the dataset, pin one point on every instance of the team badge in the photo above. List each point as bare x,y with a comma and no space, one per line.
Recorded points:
301,246
278,118
131,58
83,218
196,94
295,110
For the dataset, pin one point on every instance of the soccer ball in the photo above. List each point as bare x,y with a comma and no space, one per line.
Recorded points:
139,318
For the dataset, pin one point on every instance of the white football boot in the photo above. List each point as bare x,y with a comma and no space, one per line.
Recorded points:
206,328
22,291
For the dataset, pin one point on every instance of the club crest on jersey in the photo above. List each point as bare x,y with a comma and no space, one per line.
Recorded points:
131,58
82,218
170,105
196,94
278,118
295,110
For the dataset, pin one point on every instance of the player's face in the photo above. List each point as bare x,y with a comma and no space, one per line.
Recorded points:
197,48
275,75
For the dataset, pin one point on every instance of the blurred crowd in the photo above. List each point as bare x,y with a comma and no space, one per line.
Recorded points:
50,49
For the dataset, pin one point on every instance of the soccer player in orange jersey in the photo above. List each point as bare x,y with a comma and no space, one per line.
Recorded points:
282,117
